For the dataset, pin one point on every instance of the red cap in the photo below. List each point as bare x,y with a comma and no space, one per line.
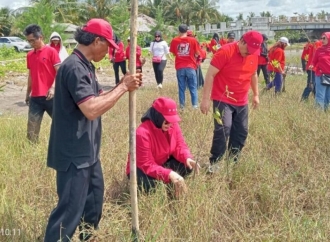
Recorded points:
189,32
167,107
253,40
102,28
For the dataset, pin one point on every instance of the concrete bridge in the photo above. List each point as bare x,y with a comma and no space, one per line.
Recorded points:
268,26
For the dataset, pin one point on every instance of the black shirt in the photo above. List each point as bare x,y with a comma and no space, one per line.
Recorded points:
74,138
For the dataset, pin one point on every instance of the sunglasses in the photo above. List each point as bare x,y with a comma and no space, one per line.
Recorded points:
166,122
323,38
157,36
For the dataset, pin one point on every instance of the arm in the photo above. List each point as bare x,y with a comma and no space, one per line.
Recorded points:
50,93
94,107
254,87
209,78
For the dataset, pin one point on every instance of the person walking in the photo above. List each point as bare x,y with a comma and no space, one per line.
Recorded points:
55,41
186,50
159,49
138,55
232,71
310,84
276,64
118,59
304,56
42,62
75,137
263,59
161,151
321,63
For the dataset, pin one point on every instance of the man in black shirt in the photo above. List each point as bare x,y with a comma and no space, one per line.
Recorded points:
75,137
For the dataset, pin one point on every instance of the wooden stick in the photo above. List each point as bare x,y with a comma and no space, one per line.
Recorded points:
132,123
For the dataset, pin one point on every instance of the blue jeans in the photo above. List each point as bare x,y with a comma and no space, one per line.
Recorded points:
187,75
322,95
308,89
277,82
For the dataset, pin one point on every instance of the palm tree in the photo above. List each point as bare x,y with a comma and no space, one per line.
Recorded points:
6,21
282,18
149,7
174,10
240,16
205,11
321,15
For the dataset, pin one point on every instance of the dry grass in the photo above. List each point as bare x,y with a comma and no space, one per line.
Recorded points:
278,192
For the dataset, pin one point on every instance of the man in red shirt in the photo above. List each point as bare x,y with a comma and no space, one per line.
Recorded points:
233,69
186,50
42,62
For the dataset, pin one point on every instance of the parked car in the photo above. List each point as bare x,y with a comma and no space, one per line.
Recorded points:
15,42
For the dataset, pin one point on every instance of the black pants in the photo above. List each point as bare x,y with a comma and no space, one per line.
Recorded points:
234,128
200,77
147,183
80,199
37,108
264,72
116,66
159,71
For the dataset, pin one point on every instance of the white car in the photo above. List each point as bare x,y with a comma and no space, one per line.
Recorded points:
15,42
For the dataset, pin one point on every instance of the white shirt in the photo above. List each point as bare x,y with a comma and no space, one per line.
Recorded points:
159,49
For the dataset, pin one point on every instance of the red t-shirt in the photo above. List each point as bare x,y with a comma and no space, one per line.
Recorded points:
185,49
41,65
138,55
305,51
117,54
276,58
232,83
56,47
311,51
262,60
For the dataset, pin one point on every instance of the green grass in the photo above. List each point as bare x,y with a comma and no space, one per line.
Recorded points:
278,192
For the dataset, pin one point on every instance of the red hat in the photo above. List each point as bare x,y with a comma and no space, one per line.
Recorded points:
189,32
167,107
102,28
253,40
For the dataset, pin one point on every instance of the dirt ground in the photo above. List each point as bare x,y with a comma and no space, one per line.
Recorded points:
13,96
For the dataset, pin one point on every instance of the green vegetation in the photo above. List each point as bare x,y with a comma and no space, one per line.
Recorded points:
277,192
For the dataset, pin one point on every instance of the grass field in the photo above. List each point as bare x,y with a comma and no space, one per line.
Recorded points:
278,192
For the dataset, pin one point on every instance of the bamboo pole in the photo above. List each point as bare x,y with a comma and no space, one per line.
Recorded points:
132,123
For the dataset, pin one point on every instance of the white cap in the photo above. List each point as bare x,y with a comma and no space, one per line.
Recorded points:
128,38
285,40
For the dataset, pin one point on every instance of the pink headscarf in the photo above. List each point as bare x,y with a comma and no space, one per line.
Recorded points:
326,47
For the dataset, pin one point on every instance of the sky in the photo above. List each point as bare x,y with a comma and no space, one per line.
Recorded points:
234,7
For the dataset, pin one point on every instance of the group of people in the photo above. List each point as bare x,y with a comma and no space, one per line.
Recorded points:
315,60
77,102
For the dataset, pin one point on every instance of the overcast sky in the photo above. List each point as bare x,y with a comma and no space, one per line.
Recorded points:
234,7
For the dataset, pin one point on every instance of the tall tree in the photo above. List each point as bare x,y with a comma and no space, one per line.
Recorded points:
240,16
204,11
6,21
41,13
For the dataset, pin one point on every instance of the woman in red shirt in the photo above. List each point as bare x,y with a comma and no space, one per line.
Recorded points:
161,151
321,63
138,55
276,64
